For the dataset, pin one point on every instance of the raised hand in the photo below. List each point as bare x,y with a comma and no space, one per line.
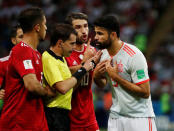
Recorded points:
97,56
89,52
100,69
2,93
88,65
111,67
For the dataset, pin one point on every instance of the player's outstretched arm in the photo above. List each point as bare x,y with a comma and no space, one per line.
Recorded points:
33,85
95,58
88,54
99,75
64,86
141,90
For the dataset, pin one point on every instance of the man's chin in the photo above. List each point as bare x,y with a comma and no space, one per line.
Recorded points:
41,39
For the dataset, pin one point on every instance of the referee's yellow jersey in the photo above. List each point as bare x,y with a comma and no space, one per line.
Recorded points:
55,69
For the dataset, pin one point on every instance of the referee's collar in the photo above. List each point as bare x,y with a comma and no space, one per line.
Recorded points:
54,55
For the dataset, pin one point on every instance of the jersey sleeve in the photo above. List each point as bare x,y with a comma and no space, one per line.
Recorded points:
139,69
69,61
51,71
22,60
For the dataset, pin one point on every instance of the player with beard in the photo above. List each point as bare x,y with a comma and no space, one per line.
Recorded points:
82,115
23,107
125,67
16,36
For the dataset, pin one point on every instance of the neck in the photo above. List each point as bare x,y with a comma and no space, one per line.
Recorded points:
115,47
57,51
31,39
79,47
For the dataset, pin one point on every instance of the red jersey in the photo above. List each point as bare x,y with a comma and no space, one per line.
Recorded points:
82,113
22,110
3,69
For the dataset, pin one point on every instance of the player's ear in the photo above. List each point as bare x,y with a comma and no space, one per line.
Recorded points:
113,35
37,27
59,43
13,40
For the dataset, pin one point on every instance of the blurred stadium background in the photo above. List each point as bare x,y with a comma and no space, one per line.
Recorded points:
148,24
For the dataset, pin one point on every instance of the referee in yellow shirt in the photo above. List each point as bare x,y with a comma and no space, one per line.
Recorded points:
58,76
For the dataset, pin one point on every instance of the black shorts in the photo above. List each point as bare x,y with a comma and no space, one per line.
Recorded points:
58,119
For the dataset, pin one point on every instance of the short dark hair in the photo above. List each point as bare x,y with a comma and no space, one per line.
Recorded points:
75,15
61,31
13,31
109,22
28,18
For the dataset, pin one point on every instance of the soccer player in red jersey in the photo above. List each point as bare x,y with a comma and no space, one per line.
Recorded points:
82,115
16,36
23,107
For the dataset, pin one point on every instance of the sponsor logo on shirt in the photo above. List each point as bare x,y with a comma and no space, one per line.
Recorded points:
28,64
140,74
75,63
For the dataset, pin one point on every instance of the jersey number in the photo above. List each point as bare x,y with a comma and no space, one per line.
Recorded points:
85,80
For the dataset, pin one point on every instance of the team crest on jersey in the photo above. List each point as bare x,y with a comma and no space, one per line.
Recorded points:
120,66
28,64
75,62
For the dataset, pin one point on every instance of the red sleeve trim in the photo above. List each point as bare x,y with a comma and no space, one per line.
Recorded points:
142,82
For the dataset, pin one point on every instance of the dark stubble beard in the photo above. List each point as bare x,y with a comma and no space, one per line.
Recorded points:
79,41
104,45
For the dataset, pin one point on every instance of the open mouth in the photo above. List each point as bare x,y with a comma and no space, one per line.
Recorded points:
84,37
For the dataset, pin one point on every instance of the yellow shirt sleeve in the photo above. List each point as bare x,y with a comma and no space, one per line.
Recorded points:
51,69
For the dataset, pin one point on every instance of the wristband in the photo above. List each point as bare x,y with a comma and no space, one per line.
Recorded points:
94,64
79,73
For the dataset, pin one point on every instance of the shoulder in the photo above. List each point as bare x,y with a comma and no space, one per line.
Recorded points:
131,50
45,54
4,59
46,57
21,49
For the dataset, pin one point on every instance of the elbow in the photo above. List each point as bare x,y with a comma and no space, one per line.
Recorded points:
61,90
146,95
30,87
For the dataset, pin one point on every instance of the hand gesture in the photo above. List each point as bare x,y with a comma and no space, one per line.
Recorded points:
2,93
97,57
89,52
100,69
88,65
111,67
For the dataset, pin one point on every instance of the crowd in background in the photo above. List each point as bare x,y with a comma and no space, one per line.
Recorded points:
137,19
